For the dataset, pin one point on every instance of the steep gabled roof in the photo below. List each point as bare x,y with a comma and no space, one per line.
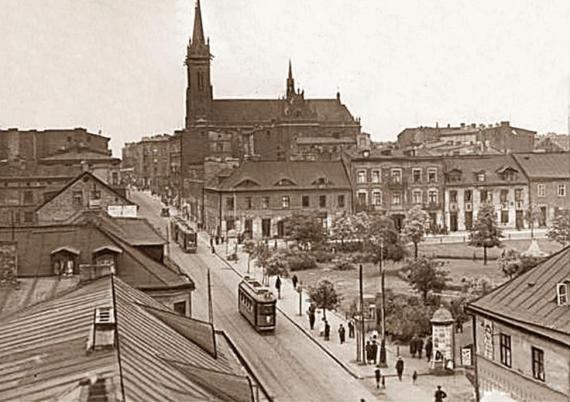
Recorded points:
44,356
529,300
491,165
80,177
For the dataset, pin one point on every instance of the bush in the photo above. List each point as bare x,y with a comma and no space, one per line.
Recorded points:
344,264
323,256
361,258
300,260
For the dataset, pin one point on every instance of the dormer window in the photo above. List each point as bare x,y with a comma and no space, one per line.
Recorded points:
64,261
562,294
107,255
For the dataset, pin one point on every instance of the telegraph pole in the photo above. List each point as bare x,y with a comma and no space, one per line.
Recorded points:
383,306
362,332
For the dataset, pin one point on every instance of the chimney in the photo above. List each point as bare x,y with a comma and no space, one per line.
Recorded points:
102,336
462,125
473,125
505,124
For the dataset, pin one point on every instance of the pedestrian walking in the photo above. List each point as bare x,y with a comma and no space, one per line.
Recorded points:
414,377
420,347
341,333
377,375
294,279
400,367
368,350
351,328
374,351
322,328
429,348
327,331
440,394
413,345
278,286
312,317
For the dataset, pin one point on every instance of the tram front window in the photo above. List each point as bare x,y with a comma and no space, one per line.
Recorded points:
266,309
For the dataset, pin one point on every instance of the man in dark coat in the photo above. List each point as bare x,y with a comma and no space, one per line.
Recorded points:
327,331
341,333
312,318
278,286
429,348
413,345
294,279
440,395
400,367
368,350
374,351
351,329
377,375
420,347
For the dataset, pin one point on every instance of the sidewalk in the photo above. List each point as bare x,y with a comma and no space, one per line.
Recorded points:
345,354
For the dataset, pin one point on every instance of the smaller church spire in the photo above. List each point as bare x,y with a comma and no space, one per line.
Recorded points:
290,82
198,34
290,70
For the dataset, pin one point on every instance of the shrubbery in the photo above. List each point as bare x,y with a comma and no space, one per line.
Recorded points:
323,256
300,260
344,264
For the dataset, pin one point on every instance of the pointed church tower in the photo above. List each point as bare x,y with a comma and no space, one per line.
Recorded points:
199,90
290,83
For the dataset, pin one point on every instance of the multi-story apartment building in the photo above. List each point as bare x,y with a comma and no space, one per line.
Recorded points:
471,181
394,183
549,182
522,335
256,197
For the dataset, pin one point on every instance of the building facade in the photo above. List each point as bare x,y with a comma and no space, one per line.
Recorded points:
471,181
255,198
394,183
549,183
522,335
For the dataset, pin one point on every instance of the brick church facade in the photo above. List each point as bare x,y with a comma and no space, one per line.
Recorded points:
288,128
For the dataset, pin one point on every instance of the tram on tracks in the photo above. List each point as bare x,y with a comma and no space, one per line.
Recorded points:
184,235
257,304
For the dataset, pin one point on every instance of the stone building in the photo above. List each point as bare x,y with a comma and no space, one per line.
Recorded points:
84,193
283,128
522,335
471,181
393,183
549,182
256,197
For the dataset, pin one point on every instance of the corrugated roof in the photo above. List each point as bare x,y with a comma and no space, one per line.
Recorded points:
545,165
491,165
294,175
530,299
43,352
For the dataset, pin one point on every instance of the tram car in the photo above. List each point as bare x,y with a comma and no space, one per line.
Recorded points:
184,235
257,304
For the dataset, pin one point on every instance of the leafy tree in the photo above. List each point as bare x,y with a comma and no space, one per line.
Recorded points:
324,295
276,265
425,275
560,229
415,226
381,239
407,316
304,229
485,232
345,227
513,264
249,247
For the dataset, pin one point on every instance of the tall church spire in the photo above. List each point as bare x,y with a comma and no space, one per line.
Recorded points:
198,34
290,82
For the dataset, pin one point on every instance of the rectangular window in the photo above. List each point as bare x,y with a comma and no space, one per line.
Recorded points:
505,347
518,194
416,175
484,195
340,201
480,177
230,203
396,198
28,217
417,196
285,201
377,198
537,364
453,196
504,196
562,190
375,176
248,203
468,195
265,202
361,199
432,197
95,195
540,190
504,216
77,198
396,176
28,197
322,201
432,175
361,177
180,307
305,201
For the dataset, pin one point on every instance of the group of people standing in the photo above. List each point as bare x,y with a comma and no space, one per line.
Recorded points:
417,347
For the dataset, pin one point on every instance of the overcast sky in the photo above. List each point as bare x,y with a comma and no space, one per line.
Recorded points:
117,65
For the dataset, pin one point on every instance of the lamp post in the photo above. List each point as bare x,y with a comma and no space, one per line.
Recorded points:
300,290
382,307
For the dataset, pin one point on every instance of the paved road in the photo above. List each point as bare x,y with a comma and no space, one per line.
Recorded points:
291,365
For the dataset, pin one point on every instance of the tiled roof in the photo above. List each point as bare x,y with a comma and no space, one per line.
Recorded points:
545,165
43,354
265,110
295,175
530,300
491,165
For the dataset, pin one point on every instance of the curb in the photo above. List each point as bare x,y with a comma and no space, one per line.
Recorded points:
303,330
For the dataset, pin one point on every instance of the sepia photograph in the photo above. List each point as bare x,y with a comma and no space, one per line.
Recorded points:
284,200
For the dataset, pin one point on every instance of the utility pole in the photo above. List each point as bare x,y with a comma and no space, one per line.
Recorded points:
210,308
361,291
383,306
167,241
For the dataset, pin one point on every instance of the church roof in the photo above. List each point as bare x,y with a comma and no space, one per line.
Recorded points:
265,110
